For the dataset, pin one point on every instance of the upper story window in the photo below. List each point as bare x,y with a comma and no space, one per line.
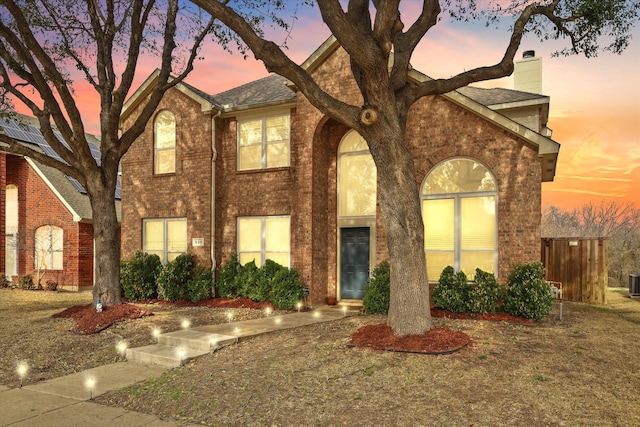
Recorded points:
357,176
263,142
459,205
49,247
164,143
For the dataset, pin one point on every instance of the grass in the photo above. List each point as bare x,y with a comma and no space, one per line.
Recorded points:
582,370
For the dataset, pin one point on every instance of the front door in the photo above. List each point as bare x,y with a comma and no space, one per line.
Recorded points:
354,262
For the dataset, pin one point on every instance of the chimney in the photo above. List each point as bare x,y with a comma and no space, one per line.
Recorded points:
527,75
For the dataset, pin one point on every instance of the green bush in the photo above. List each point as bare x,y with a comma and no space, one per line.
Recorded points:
452,291
138,276
528,295
26,282
483,293
225,278
377,290
286,288
182,279
247,281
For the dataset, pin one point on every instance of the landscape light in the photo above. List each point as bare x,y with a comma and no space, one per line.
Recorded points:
22,370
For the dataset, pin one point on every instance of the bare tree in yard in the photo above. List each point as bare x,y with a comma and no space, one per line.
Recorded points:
370,31
45,43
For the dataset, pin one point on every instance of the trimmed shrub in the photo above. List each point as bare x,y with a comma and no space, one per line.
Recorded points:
225,278
138,276
182,279
483,293
377,290
247,279
286,289
528,295
26,282
452,291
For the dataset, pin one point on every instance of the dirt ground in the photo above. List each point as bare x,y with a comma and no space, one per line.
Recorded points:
582,370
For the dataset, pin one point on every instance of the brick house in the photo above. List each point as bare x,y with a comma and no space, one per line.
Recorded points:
258,171
47,219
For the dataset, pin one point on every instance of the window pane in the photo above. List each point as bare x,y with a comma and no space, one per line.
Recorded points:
458,176
250,157
478,223
165,161
245,257
57,261
277,235
154,236
357,192
11,209
57,239
249,235
278,128
277,154
471,260
279,257
439,219
250,133
436,262
172,255
165,130
353,142
177,236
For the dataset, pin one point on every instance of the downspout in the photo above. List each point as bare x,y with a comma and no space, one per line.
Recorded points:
214,156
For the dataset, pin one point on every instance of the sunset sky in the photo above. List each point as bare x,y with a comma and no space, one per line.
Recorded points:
594,111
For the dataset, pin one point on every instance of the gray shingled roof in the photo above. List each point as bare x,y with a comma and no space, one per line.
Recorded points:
268,90
496,96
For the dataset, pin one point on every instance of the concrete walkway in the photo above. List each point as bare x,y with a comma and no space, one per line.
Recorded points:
66,401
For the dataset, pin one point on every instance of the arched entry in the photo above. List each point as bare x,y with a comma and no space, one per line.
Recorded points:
356,215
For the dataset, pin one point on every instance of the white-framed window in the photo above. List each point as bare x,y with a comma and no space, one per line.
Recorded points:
11,231
264,237
263,142
164,143
357,178
49,244
459,212
165,237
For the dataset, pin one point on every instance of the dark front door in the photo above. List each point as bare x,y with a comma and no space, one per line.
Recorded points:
354,262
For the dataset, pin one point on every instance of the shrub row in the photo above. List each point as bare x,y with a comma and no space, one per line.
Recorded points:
271,282
144,277
527,294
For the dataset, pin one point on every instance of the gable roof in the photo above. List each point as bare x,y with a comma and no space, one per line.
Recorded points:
65,188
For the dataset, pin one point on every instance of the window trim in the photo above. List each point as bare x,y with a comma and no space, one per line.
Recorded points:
165,221
263,235
457,211
263,143
155,145
48,266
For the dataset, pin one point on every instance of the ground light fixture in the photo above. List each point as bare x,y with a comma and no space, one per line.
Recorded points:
121,347
181,352
22,371
344,310
155,332
299,306
90,383
230,315
268,311
186,323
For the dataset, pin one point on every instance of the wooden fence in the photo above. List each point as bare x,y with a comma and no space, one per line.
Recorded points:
580,264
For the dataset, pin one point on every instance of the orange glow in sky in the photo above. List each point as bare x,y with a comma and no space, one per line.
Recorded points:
594,111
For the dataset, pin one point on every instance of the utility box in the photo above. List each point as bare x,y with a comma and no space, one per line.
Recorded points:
634,285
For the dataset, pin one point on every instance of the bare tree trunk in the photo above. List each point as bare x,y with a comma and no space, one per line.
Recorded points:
409,311
107,249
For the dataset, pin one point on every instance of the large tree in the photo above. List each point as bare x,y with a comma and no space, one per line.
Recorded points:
47,44
370,32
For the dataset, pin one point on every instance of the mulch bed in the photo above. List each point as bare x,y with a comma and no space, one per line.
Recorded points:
496,317
434,341
88,321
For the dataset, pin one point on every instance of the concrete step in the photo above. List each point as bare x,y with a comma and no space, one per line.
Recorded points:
162,355
195,340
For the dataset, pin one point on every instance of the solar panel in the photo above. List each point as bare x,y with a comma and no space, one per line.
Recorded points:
31,134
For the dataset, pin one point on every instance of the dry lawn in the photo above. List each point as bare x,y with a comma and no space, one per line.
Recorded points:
583,370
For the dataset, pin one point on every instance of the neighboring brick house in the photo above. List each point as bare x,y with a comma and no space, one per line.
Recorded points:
46,226
258,171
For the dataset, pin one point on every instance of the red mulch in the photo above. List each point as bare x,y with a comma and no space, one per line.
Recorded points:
215,303
88,321
434,341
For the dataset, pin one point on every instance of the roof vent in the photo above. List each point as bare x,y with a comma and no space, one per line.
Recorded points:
528,54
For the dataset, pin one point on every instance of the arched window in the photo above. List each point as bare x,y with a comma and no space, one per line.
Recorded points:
49,246
459,205
357,178
164,143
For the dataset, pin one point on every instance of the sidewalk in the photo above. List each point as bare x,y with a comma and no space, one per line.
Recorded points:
65,401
